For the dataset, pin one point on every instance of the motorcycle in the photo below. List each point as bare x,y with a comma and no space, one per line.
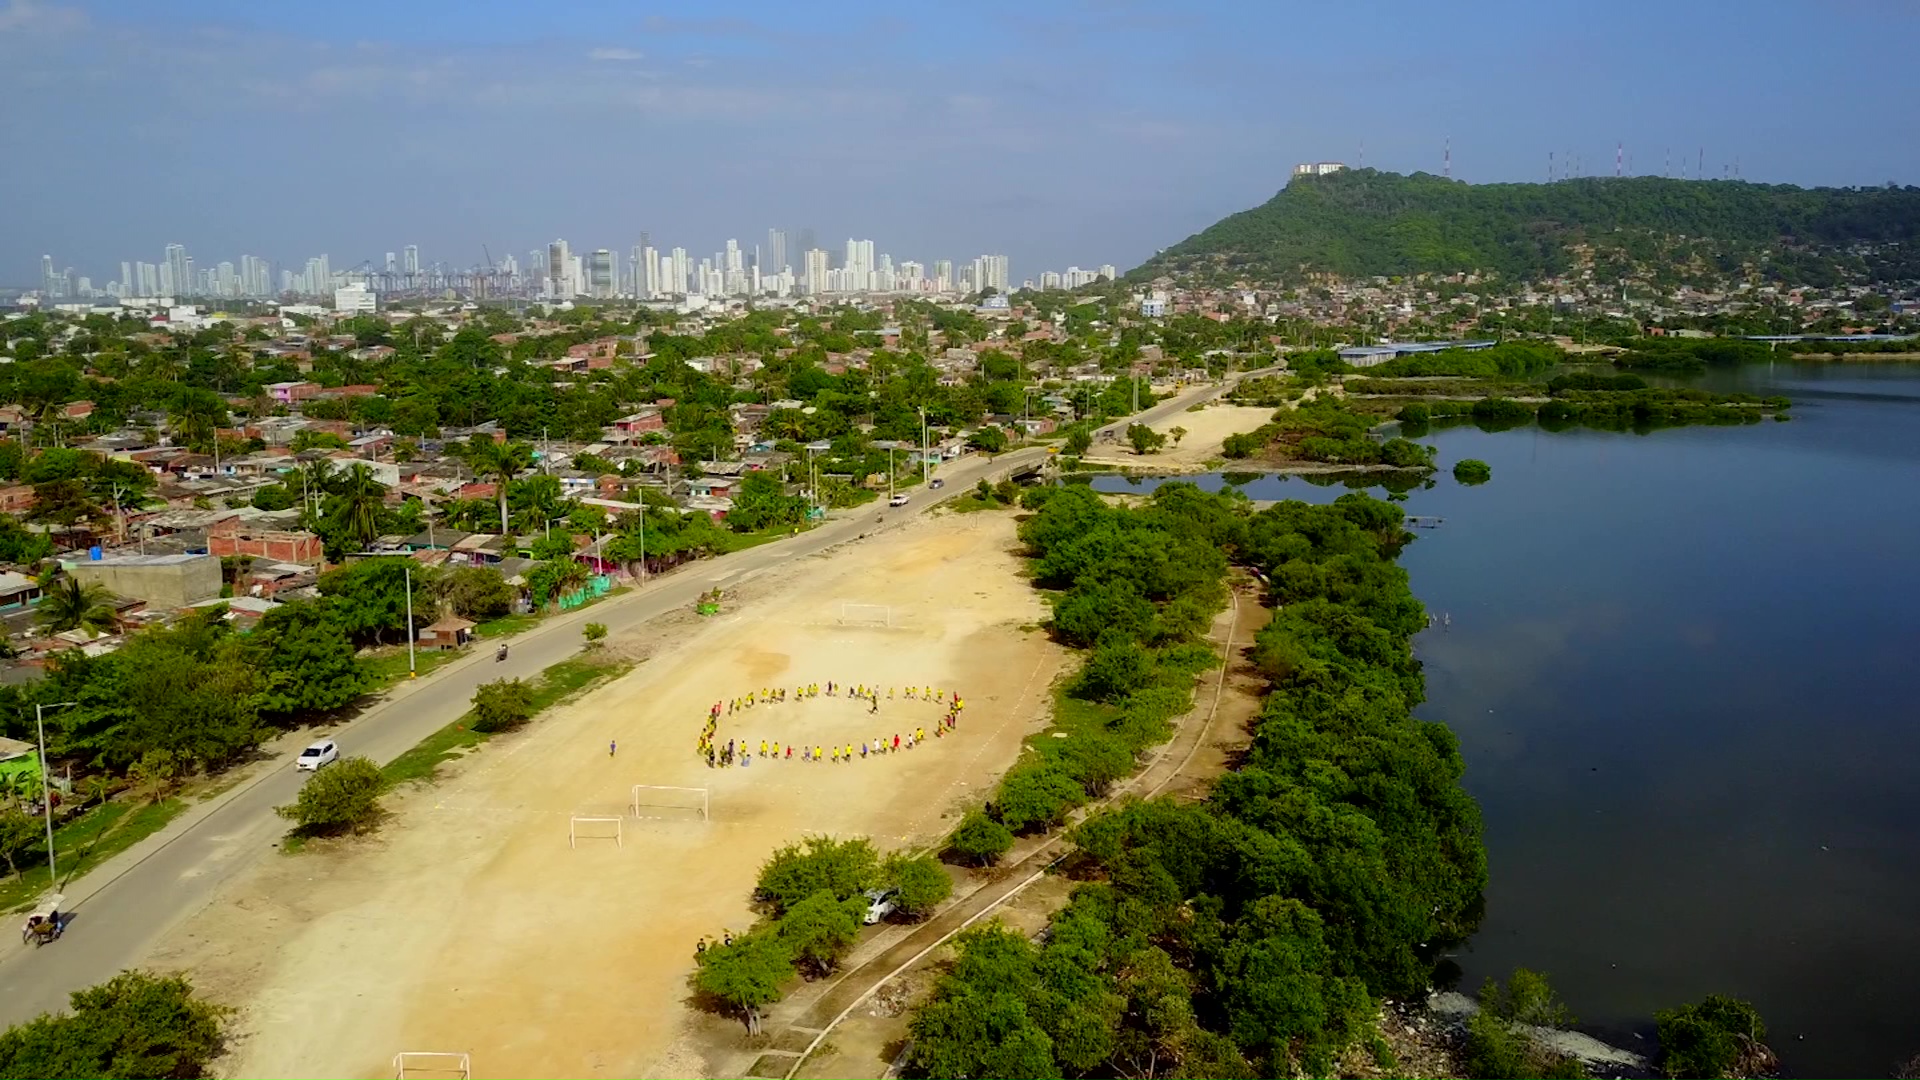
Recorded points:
500,654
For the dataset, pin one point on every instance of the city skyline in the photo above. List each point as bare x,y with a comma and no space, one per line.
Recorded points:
1099,130
557,271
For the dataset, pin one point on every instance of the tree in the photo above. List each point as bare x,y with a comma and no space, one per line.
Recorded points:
1472,471
918,883
307,663
502,462
979,839
761,502
1178,433
19,831
1116,668
369,597
502,705
1037,794
1079,441
990,440
747,974
476,592
1717,1036
70,605
594,632
154,773
1143,438
820,929
355,508
844,868
342,797
134,1026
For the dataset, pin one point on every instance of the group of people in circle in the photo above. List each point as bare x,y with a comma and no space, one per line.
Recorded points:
737,752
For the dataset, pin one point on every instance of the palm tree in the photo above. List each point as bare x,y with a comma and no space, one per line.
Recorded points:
503,462
69,605
359,499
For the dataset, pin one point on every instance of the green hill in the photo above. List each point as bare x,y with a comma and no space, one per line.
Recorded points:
1367,223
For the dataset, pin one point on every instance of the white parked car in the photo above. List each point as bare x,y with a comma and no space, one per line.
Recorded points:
313,757
879,905
897,500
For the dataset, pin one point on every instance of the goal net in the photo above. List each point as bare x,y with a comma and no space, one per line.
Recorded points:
593,828
866,615
658,801
431,1063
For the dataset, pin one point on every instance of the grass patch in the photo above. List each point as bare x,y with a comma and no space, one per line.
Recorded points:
972,503
387,668
506,626
556,684
87,842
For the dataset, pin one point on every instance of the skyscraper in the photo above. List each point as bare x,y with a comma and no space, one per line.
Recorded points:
816,270
650,273
942,275
410,259
600,273
393,263
179,274
126,278
776,250
559,269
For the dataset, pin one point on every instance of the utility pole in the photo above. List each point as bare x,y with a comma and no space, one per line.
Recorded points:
46,789
413,672
890,474
926,468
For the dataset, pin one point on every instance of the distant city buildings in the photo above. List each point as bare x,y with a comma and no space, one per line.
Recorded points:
1318,168
788,263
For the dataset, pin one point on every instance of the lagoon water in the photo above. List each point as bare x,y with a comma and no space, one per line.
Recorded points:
1684,667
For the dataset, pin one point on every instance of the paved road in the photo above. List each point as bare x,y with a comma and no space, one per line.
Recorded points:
122,908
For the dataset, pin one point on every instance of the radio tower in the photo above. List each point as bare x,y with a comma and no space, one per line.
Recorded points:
1669,162
1619,160
1700,170
1549,166
1446,168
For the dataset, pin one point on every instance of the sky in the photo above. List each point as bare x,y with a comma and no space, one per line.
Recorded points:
1056,132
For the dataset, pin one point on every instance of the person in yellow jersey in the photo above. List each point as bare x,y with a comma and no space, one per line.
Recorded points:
763,748
849,751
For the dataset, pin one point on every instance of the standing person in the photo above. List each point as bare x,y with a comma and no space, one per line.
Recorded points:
919,734
896,740
611,747
863,751
789,751
763,748
849,751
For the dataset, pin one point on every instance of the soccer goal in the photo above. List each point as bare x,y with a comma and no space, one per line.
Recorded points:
649,800
866,614
431,1063
593,828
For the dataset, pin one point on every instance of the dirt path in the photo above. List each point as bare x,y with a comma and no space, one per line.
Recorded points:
469,924
1206,432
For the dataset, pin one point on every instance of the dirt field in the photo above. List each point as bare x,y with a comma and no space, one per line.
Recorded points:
1207,430
467,923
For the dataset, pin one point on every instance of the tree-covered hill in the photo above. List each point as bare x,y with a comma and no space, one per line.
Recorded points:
1365,223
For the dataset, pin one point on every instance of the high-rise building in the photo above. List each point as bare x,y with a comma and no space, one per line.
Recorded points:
990,272
409,260
179,270
559,269
1107,271
600,281
677,278
126,278
649,273
163,281
776,250
392,263
225,283
816,270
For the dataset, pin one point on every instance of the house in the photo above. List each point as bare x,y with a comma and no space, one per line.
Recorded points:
167,581
230,536
17,591
447,632
16,498
286,393
641,422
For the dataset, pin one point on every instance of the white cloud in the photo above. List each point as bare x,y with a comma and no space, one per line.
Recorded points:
616,54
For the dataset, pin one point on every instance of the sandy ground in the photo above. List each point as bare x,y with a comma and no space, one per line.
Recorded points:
1207,431
469,924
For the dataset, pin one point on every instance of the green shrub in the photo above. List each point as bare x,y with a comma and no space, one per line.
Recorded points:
342,797
844,868
918,882
979,840
134,1025
1472,471
1718,1036
502,705
1037,795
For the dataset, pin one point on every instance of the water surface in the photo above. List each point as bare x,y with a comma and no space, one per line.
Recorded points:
1685,671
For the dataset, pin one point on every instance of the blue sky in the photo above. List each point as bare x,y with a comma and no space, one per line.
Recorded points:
1055,131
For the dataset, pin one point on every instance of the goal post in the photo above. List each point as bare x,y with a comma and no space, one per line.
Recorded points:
432,1063
649,797
852,614
575,834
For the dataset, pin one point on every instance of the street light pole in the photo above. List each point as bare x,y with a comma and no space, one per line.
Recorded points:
46,788
925,467
412,671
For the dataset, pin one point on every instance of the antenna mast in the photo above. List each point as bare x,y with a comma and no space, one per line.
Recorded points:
1619,160
1446,168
